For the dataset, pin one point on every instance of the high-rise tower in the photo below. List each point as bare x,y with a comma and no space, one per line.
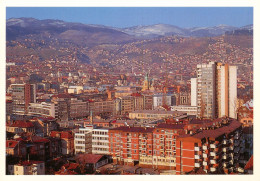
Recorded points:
216,90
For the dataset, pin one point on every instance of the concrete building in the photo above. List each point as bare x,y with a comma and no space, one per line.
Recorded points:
216,90
43,109
190,110
227,90
152,114
92,139
22,96
127,145
217,151
159,98
27,168
83,140
100,141
193,91
206,90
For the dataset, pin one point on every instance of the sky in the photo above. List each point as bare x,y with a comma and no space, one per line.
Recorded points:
121,17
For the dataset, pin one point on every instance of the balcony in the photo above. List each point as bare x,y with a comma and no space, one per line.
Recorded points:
231,148
212,154
197,165
224,157
213,162
225,165
205,155
205,163
224,150
212,169
212,146
224,142
196,148
204,147
197,157
231,155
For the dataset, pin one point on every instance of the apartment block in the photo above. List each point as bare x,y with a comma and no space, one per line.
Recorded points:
216,90
22,96
43,109
217,151
127,145
27,168
92,139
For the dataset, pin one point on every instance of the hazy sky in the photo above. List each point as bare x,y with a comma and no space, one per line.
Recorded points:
128,16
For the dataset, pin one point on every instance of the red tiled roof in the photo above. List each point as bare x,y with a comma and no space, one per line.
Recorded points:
171,126
133,129
65,172
63,134
27,163
11,143
71,166
22,124
63,96
249,164
89,158
136,94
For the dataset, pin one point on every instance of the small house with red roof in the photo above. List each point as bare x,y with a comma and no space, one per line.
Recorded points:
66,140
92,161
15,148
20,126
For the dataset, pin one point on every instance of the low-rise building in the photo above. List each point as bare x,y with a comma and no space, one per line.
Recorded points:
152,114
27,168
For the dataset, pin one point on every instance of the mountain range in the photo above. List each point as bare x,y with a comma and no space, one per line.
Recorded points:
99,34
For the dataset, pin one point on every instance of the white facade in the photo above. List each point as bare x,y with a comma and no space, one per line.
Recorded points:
227,91
43,109
158,100
27,168
83,140
100,141
193,91
92,140
233,92
190,110
216,90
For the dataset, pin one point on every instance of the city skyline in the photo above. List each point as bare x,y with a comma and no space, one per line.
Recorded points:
84,99
121,17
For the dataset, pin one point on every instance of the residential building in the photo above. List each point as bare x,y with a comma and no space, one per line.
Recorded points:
128,144
217,151
189,110
216,90
193,91
19,126
22,95
66,141
83,140
43,109
152,114
27,168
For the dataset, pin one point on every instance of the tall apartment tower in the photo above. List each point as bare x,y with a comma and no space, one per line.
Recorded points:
216,90
193,92
227,90
22,96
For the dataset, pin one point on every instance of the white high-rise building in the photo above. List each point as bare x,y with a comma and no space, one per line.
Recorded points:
193,82
92,139
227,90
216,90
